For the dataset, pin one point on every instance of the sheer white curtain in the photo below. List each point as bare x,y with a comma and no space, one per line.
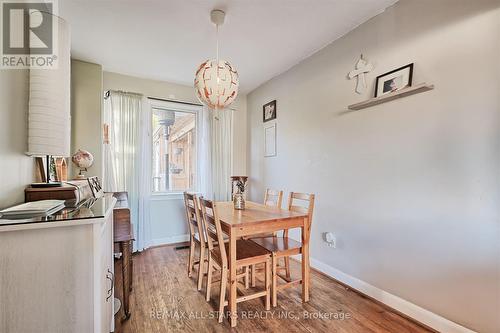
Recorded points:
222,153
205,153
215,153
128,159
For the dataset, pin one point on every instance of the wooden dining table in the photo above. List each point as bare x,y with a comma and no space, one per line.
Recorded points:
257,219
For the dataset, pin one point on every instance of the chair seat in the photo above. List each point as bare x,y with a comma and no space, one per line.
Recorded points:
278,244
245,249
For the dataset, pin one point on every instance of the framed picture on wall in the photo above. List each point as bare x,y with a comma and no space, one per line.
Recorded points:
394,80
269,111
270,140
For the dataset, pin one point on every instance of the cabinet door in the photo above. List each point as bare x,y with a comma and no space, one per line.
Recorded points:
106,276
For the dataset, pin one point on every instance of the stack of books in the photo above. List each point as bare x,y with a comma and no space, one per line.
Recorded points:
34,208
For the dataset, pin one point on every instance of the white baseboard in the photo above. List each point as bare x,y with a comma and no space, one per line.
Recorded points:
421,315
169,240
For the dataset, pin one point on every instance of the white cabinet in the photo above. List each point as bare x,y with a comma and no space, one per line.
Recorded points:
57,276
105,273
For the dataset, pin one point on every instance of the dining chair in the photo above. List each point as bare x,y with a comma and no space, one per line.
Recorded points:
247,253
272,198
196,236
284,246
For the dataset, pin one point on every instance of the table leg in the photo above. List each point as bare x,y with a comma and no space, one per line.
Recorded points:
125,249
305,261
232,278
131,265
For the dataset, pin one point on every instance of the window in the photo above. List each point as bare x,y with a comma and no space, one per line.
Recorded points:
174,137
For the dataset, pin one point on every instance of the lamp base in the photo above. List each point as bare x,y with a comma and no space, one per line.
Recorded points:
51,184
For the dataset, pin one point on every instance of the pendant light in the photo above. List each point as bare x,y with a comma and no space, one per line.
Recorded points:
216,81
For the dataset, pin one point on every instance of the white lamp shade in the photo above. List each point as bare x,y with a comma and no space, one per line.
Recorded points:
216,86
49,119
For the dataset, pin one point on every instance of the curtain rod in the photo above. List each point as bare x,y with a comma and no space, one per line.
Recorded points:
180,102
174,101
108,92
106,95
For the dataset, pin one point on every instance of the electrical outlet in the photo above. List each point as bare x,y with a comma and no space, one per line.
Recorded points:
330,239
333,243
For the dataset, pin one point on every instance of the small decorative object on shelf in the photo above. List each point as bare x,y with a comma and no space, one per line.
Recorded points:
238,188
61,169
83,160
361,69
45,171
393,81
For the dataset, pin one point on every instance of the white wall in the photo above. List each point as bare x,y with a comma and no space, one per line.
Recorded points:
16,168
168,223
410,188
86,114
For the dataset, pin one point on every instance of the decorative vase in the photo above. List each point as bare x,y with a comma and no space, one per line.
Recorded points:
239,201
238,189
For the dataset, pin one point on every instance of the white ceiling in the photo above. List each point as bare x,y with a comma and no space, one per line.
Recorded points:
168,39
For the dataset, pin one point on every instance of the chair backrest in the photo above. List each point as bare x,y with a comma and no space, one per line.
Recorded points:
273,198
194,219
307,201
213,229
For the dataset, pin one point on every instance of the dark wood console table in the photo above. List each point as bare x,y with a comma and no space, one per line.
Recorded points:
123,237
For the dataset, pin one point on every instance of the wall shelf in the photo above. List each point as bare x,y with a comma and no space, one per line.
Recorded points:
419,88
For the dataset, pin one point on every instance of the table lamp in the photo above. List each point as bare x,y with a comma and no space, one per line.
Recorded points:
49,116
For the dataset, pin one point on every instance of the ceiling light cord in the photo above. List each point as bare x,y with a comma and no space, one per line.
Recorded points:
217,43
216,81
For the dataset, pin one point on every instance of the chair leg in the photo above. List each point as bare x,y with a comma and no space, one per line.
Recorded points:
209,277
201,267
222,298
287,267
273,287
253,275
191,258
268,285
247,277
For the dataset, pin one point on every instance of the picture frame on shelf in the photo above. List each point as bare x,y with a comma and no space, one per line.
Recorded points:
394,80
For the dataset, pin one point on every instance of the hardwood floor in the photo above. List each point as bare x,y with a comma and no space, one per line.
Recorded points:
164,299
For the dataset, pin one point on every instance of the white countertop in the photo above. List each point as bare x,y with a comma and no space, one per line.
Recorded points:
106,208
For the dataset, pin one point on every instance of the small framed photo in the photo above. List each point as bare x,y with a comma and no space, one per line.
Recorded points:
270,140
269,111
394,80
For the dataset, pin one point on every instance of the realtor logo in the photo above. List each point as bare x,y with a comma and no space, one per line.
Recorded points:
28,34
